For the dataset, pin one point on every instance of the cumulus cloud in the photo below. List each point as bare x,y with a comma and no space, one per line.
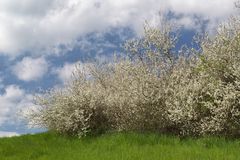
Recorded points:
65,72
205,8
12,101
1,82
41,26
30,69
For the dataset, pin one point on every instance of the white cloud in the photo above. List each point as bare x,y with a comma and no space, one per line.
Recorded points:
8,134
12,101
40,26
30,69
1,82
65,72
208,9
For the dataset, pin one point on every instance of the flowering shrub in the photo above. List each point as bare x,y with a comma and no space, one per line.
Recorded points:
153,89
205,100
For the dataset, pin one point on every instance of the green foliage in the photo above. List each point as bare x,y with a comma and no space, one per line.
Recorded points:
154,89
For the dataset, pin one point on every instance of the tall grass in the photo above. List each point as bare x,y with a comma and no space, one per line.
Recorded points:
117,146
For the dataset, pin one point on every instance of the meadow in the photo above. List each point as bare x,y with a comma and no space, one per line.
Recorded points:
140,100
117,146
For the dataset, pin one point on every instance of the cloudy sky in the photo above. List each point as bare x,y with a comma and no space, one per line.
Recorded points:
42,40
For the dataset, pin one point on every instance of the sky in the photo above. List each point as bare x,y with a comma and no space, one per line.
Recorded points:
42,41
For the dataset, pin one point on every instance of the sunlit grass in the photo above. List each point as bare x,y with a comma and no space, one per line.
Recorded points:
120,146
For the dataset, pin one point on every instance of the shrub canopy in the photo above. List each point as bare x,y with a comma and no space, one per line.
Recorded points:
155,88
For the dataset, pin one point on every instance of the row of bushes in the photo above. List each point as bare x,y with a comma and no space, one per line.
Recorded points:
153,88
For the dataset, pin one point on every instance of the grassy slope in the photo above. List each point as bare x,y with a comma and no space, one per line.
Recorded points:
49,146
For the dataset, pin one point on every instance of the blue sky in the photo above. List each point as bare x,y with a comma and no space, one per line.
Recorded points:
41,41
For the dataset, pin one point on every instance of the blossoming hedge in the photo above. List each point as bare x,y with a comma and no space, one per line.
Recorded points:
154,88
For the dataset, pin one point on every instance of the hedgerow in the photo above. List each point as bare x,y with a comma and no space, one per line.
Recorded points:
154,88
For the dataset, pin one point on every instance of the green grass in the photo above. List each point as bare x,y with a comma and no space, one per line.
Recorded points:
121,146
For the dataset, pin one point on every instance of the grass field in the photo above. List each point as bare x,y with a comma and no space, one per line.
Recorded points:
121,146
